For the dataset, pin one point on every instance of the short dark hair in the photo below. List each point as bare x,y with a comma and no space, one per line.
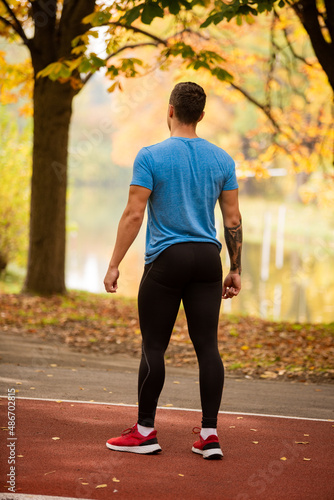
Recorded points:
188,100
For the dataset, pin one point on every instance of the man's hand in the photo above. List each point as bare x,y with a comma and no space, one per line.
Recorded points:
110,280
232,285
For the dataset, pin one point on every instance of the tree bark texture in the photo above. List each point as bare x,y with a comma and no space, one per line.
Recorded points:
308,14
52,117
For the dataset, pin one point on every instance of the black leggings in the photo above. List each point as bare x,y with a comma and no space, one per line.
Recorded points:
190,272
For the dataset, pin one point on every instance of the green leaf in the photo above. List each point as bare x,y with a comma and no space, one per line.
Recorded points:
97,18
150,11
214,18
97,61
133,14
85,66
222,75
76,41
79,49
173,6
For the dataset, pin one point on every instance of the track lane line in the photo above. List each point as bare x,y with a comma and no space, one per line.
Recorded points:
174,408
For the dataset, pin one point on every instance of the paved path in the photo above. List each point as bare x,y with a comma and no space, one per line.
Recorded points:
54,371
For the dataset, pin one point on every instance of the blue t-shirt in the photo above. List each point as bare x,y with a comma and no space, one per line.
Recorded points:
186,177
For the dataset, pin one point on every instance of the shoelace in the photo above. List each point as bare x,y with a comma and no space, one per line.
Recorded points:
128,431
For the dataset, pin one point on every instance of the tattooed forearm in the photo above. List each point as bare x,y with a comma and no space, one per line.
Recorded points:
233,238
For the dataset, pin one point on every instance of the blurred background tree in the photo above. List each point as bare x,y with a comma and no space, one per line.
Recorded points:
15,171
269,62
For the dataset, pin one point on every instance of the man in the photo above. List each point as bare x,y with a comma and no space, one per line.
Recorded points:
180,181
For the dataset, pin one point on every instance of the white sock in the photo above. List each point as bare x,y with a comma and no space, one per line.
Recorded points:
208,431
144,431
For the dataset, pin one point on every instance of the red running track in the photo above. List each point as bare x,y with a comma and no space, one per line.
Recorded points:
267,458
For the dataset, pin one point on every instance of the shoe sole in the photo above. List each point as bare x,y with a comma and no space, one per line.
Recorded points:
211,454
150,449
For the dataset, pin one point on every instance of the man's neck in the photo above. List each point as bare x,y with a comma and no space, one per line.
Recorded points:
182,130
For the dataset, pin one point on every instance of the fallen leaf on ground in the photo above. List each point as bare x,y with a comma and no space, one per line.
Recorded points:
255,442
115,480
55,438
182,475
302,442
283,458
307,459
101,486
51,472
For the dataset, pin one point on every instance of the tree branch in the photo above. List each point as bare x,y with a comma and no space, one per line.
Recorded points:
7,23
130,46
17,25
266,110
137,30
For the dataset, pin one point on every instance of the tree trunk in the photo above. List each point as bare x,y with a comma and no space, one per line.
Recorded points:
52,115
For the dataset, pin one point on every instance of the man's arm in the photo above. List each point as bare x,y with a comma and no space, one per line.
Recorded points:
128,229
229,205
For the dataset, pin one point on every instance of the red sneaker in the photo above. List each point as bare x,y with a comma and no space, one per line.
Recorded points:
209,447
134,442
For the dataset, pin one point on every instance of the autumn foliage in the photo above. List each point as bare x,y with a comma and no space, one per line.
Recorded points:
248,346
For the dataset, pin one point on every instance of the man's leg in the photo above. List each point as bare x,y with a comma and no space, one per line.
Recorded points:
158,306
202,304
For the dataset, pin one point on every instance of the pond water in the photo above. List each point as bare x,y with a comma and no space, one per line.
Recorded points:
288,274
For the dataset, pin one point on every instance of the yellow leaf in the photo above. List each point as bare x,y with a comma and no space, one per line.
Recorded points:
59,401
20,456
238,418
244,347
232,426
306,459
55,438
169,404
302,442
84,484
283,458
115,480
255,430
101,486
182,475
51,472
176,382
255,442
53,365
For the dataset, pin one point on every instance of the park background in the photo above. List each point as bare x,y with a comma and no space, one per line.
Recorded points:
287,209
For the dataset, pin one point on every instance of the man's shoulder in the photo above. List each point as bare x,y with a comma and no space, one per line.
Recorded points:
153,147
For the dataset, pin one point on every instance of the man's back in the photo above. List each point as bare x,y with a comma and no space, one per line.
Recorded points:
186,177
